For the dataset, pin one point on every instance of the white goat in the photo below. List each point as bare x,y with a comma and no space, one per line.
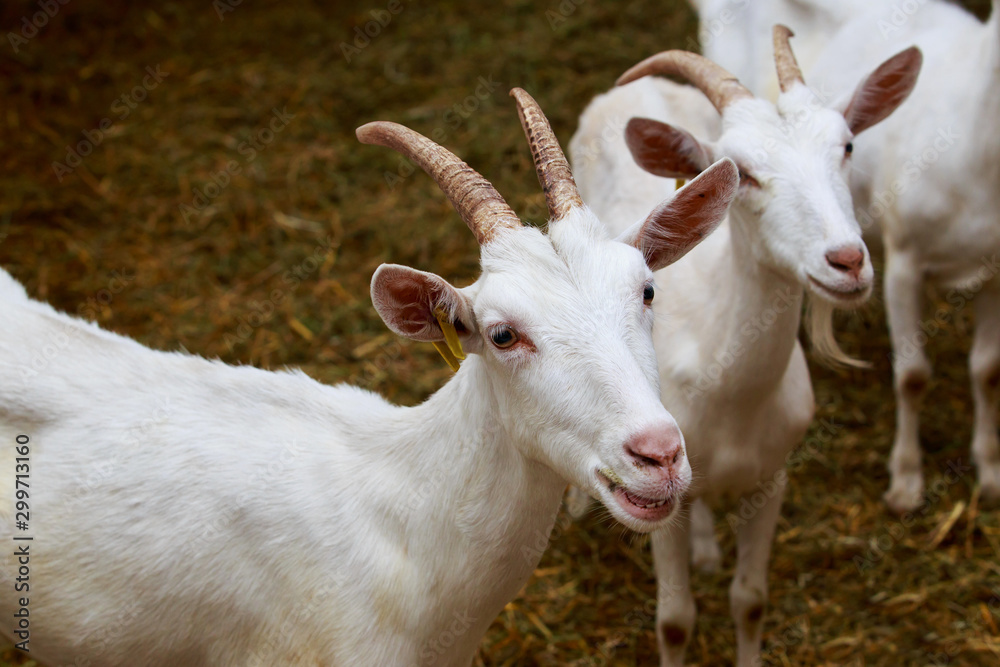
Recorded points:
731,367
930,178
736,34
204,514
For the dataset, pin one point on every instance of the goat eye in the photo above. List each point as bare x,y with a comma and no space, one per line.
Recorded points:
503,337
849,148
647,294
747,179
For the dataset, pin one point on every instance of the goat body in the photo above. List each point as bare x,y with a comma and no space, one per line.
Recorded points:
743,399
163,479
737,34
930,179
731,367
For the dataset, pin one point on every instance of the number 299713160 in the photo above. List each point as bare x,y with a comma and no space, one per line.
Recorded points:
22,472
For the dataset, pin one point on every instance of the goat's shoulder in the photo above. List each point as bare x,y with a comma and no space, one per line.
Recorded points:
54,365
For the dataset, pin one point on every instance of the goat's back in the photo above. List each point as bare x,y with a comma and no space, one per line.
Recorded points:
225,496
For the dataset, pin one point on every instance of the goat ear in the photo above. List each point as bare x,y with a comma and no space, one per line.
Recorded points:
680,223
884,90
406,300
665,150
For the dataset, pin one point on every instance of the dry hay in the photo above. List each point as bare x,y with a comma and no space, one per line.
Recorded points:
305,222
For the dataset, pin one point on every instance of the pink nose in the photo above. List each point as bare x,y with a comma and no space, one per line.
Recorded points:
658,448
849,260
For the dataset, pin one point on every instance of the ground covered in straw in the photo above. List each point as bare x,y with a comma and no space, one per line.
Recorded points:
138,189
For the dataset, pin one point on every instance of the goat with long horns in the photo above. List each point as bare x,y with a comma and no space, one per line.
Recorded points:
348,559
734,374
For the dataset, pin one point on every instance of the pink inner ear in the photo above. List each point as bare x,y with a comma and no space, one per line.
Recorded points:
405,299
416,318
884,90
664,150
679,224
410,298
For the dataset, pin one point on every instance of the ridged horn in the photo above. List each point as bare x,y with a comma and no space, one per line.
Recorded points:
475,198
551,164
784,60
719,86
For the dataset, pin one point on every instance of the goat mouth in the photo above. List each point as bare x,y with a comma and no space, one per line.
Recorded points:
639,506
852,295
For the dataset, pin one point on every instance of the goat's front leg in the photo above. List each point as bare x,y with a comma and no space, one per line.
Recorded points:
984,368
705,553
748,592
912,371
675,610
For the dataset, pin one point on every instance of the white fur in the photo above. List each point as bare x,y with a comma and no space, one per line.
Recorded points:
187,512
737,34
731,367
934,169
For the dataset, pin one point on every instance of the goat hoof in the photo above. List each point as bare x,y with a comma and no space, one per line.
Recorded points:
905,494
989,484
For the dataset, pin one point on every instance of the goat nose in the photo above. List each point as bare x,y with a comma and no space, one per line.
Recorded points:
849,260
657,447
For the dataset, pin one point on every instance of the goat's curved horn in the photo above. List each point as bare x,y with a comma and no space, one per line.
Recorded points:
719,86
553,169
475,198
784,60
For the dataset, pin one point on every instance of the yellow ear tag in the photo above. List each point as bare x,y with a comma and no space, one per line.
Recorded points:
446,354
451,347
679,183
